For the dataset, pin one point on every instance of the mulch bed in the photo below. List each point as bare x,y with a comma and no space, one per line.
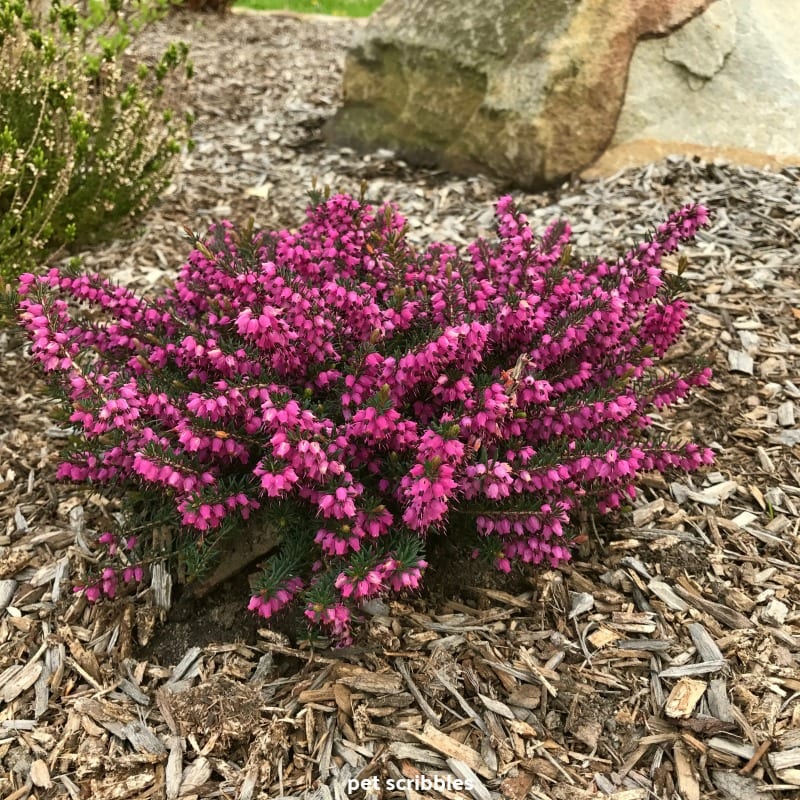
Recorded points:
664,662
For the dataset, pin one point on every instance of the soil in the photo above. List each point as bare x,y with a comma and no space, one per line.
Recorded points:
218,617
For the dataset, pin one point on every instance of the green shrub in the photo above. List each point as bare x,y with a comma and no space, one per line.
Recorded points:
88,135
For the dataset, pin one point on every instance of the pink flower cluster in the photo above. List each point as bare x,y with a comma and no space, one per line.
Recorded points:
276,599
107,583
358,394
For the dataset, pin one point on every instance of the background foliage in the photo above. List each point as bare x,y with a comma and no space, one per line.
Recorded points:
88,134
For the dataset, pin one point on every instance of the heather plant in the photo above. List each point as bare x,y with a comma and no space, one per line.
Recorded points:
360,396
88,136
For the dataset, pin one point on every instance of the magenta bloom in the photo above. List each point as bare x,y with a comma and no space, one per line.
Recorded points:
358,395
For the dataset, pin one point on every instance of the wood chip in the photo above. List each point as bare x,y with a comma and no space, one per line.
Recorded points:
40,774
701,668
740,362
373,683
464,773
784,759
666,594
688,784
718,700
684,697
733,619
452,748
706,647
19,680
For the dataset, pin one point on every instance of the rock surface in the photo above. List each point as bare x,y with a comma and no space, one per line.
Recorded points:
727,84
528,91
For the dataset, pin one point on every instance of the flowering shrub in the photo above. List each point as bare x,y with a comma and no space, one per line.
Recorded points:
361,396
88,137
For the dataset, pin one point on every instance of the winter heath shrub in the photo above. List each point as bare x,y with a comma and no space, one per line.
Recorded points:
360,396
87,135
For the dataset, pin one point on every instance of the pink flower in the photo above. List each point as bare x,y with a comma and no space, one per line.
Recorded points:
337,373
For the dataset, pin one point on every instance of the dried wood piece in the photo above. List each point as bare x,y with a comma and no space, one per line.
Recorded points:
701,668
784,759
683,698
581,603
419,755
195,776
161,584
186,669
133,691
718,699
786,414
706,646
522,601
646,514
732,747
744,519
645,645
719,492
518,786
757,756
733,619
688,784
790,739
501,709
734,786
142,739
15,680
775,613
665,593
634,621
415,691
764,460
588,733
529,697
603,636
173,773
7,589
465,706
478,790
40,774
790,776
448,746
373,682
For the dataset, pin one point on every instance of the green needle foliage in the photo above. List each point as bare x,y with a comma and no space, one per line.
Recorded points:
88,136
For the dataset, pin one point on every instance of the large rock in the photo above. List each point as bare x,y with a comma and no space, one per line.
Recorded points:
727,85
526,90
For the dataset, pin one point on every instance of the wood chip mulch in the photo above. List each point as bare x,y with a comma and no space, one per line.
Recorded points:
663,663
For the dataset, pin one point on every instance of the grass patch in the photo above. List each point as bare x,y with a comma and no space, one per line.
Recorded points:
339,8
